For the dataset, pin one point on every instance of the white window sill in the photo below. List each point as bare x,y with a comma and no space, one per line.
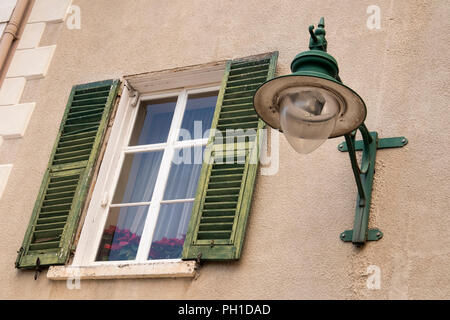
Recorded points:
177,269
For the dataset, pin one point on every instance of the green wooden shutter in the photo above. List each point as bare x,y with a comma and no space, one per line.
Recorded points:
222,203
66,181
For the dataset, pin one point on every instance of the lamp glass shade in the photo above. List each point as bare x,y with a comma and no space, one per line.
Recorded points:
267,98
308,116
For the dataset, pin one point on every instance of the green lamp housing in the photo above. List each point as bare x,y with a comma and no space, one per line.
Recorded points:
317,70
311,105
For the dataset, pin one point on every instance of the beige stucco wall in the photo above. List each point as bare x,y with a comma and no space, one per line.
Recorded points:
292,249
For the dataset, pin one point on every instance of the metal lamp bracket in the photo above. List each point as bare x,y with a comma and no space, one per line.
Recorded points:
364,180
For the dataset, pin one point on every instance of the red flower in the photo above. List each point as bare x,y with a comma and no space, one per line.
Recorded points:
126,232
134,238
110,230
170,242
123,243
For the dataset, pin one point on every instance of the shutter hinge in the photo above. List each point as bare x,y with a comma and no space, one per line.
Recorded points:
198,266
134,94
37,269
19,256
105,200
135,99
119,91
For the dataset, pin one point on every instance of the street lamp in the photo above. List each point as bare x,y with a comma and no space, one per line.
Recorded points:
312,105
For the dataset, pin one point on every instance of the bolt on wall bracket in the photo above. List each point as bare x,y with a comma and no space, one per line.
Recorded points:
364,180
372,235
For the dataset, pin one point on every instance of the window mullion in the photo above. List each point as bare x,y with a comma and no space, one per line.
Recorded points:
163,175
191,143
129,204
146,148
153,211
177,201
177,117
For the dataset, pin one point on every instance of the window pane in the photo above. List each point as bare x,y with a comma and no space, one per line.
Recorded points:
122,233
138,176
184,173
199,112
153,122
170,231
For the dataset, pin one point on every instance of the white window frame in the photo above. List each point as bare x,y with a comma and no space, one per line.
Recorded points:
121,148
198,79
168,149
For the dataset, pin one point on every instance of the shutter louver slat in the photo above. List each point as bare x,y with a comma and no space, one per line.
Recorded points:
260,67
90,95
245,82
46,226
87,102
86,112
243,88
250,74
86,108
63,191
245,64
222,202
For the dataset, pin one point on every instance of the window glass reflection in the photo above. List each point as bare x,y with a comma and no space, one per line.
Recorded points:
170,231
122,234
198,115
153,122
184,173
138,177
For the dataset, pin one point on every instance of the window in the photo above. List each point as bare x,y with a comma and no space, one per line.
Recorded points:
156,184
142,200
153,190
